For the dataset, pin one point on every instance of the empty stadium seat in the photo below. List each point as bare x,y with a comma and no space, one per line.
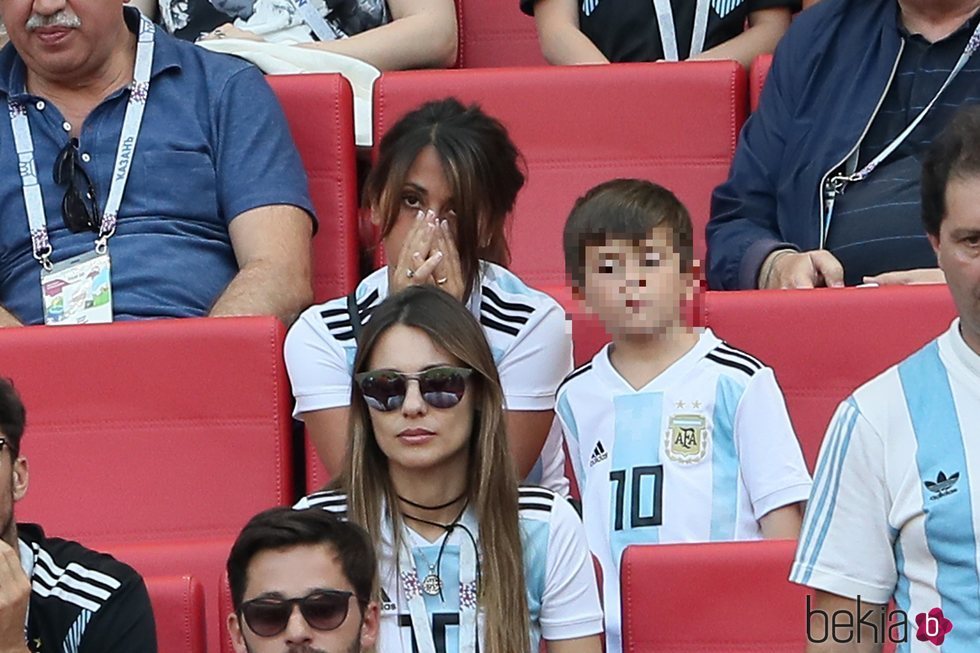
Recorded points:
724,597
319,109
757,78
146,436
178,609
674,123
496,34
824,343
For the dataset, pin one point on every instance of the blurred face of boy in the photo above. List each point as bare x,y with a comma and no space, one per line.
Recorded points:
636,287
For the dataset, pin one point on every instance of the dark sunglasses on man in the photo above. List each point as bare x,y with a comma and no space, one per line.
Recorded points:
79,207
322,610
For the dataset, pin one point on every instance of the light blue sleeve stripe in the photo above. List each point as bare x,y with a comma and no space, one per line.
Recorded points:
828,500
949,526
637,444
724,460
571,432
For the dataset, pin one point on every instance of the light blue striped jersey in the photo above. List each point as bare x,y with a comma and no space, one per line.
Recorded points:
700,453
562,595
894,508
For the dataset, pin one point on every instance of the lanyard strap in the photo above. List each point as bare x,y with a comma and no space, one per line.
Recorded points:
971,47
323,30
668,31
33,200
421,622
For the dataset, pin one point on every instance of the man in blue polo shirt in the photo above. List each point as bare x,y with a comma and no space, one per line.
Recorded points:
144,177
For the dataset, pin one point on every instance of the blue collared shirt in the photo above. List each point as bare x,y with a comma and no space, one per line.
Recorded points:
214,143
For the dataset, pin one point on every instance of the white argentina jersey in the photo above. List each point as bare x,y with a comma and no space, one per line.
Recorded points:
561,588
698,454
894,509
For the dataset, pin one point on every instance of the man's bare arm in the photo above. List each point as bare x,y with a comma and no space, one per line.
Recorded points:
7,319
272,246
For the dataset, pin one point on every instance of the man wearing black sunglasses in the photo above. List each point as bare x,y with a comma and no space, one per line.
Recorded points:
302,582
124,144
56,595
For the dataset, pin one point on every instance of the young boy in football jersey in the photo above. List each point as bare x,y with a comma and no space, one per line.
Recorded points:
674,435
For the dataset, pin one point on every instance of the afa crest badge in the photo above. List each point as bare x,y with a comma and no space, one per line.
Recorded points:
686,440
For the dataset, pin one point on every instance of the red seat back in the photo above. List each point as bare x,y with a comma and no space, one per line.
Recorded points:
320,112
493,34
824,343
724,596
178,609
757,78
162,430
675,124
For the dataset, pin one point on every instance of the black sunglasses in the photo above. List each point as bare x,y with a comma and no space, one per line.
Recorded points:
322,609
441,387
79,208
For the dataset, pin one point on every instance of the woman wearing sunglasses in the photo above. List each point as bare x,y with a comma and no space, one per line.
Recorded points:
444,182
468,561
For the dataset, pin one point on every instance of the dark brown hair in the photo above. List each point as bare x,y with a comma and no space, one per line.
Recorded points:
12,416
629,209
482,166
954,154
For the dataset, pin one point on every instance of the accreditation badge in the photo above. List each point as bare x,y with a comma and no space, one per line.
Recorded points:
78,291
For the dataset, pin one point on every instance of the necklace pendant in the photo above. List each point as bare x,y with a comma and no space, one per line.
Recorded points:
432,585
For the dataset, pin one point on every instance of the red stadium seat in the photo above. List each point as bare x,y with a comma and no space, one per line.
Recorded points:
178,609
496,34
824,343
721,596
167,433
320,112
577,126
757,79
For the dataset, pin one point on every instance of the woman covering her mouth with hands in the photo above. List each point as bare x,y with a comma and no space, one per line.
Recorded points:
443,185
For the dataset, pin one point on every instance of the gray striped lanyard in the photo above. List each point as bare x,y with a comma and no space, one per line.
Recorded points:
34,202
323,30
412,586
838,183
668,31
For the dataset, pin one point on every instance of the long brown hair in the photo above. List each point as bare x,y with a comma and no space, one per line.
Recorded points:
482,165
493,485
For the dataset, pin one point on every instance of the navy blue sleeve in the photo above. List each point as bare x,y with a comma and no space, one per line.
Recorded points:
257,162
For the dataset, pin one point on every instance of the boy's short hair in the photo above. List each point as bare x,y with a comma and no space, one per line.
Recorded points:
627,209
12,416
954,154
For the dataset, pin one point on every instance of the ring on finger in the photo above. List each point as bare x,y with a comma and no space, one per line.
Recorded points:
409,273
442,281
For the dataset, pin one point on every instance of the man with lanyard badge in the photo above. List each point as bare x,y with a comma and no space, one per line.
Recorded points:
824,187
133,136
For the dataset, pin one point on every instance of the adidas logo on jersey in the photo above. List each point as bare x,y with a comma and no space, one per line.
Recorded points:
943,487
598,454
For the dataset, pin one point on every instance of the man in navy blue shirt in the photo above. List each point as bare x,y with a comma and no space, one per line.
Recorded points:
214,217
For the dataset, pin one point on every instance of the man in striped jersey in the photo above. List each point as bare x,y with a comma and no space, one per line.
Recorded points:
674,435
56,596
894,510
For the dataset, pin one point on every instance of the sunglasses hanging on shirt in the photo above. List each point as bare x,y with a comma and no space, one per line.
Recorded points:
79,207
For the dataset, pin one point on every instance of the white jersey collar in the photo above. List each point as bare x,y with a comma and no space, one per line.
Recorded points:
707,341
958,352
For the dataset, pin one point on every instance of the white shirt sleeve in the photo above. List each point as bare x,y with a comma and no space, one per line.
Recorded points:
846,546
317,365
770,458
537,361
570,605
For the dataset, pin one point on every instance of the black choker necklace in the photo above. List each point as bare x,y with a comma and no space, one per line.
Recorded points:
439,507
